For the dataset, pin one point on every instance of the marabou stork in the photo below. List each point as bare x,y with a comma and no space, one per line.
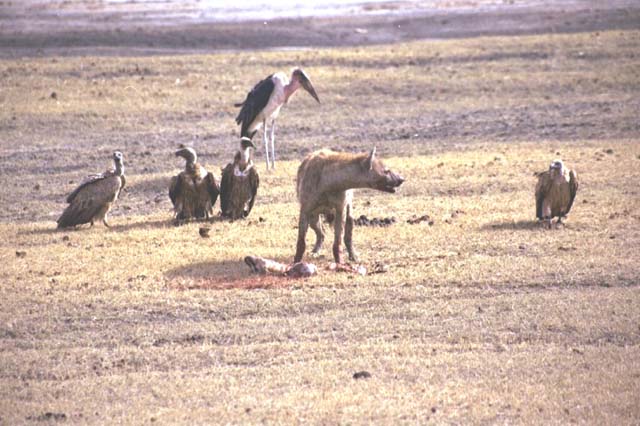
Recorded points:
263,104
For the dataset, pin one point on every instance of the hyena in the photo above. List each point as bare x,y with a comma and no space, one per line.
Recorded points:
325,186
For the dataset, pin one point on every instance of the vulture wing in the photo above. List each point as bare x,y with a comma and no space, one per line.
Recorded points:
255,102
254,182
89,199
212,187
174,189
573,189
226,188
87,181
542,188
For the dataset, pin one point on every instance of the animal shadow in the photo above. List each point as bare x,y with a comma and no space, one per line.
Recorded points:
223,275
520,225
123,227
43,231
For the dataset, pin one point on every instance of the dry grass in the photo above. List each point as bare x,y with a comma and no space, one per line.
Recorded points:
483,317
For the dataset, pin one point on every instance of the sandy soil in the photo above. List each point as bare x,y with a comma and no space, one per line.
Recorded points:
132,28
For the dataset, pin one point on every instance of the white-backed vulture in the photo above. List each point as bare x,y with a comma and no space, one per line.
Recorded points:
92,200
194,191
555,192
239,183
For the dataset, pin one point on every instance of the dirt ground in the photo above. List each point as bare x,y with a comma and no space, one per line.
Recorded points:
482,317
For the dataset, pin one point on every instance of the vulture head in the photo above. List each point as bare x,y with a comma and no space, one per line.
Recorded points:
556,166
118,160
189,154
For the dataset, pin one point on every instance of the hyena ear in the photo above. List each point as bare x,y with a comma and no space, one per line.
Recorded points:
371,159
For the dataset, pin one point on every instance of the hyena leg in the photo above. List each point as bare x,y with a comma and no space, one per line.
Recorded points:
348,234
303,226
316,225
338,225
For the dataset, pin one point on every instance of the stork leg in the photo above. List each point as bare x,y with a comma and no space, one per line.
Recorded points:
273,144
264,140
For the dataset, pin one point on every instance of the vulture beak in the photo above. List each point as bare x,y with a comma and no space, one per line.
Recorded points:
188,154
556,164
306,84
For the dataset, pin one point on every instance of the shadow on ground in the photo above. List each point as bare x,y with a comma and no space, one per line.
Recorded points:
159,223
224,275
513,225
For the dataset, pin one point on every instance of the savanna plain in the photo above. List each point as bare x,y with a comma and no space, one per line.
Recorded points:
483,315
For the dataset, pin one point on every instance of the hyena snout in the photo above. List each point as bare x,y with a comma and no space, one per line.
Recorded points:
390,182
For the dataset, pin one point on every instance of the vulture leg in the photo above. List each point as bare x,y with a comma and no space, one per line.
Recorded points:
273,144
264,140
103,213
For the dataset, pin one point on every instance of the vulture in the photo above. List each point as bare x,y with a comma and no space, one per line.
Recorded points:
92,200
194,191
262,106
555,192
239,183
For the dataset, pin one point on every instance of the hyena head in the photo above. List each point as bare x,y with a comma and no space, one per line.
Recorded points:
379,176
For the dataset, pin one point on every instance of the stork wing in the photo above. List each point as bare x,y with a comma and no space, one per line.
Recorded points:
254,182
255,102
88,200
542,188
212,187
573,189
226,186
